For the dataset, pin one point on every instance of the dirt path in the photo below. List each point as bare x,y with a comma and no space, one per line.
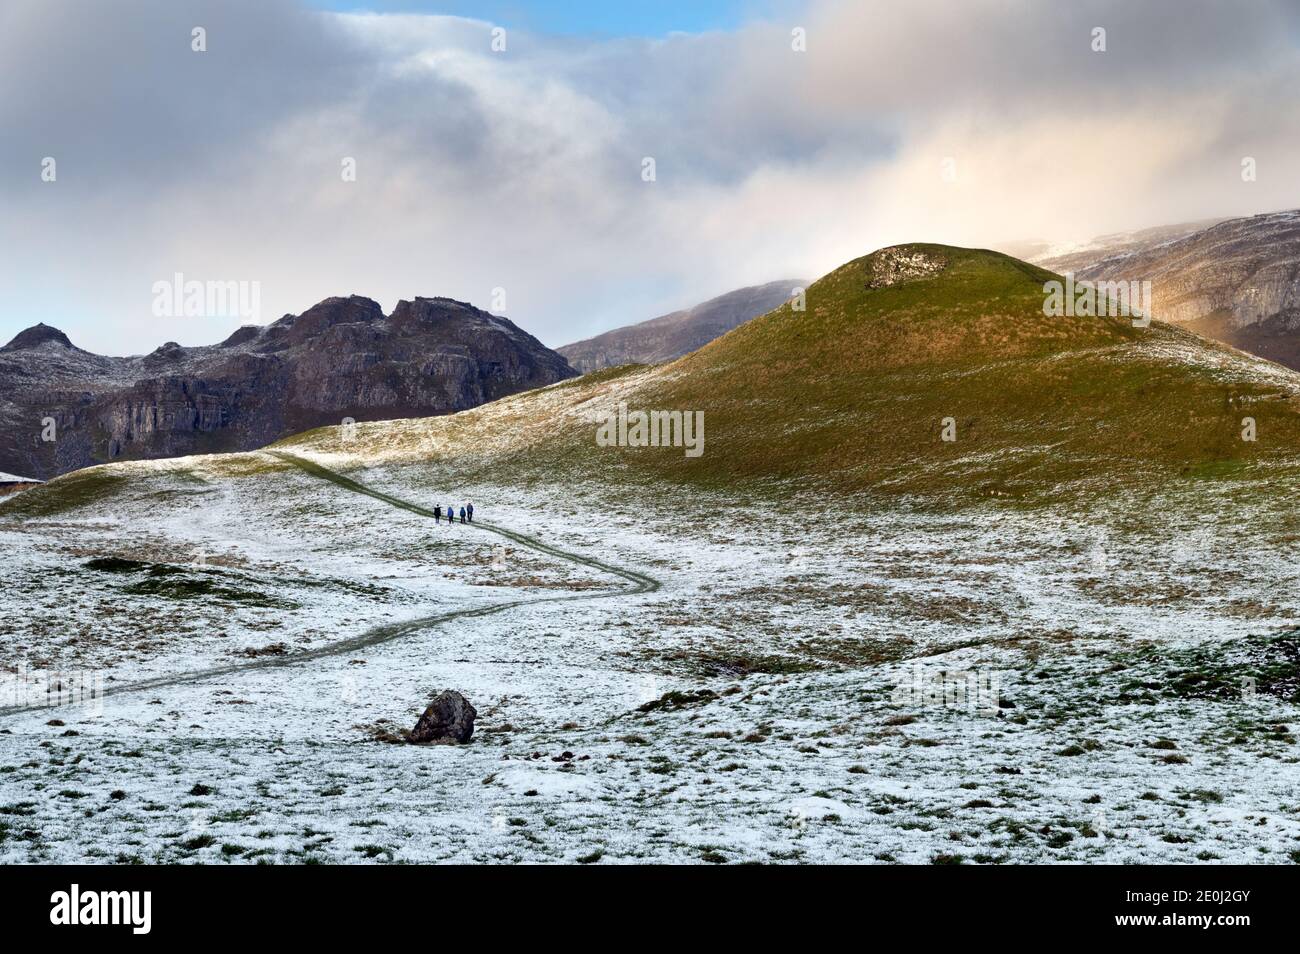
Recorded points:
640,583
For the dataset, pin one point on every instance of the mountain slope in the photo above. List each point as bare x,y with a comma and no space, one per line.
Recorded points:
670,336
340,358
1237,281
854,395
1073,257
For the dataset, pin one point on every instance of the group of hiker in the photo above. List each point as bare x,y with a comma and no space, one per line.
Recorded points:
466,513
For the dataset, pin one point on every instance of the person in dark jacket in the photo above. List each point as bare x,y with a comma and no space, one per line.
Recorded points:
437,513
469,509
462,514
451,514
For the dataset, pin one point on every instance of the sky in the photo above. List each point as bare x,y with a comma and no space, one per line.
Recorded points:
590,18
786,137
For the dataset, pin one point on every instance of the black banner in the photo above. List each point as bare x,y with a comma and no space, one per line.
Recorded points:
267,903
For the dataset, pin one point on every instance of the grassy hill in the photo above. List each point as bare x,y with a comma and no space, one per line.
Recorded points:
853,391
851,395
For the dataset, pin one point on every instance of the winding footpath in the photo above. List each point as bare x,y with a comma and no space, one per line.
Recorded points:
638,583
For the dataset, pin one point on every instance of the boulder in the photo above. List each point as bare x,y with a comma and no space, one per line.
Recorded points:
449,718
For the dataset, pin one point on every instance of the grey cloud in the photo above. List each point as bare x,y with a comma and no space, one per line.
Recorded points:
522,170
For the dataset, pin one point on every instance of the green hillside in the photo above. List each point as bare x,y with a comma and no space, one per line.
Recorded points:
853,392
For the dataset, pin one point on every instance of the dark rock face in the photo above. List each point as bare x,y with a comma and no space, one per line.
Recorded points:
340,358
449,718
35,336
1237,281
668,337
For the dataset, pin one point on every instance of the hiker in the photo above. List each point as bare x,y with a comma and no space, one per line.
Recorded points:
462,514
451,514
437,513
469,508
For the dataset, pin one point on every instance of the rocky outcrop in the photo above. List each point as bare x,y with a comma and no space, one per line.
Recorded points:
35,336
902,263
449,718
670,336
342,358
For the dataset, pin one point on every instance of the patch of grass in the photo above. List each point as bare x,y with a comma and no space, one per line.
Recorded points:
603,376
235,815
733,665
1265,664
82,488
174,584
675,699
116,565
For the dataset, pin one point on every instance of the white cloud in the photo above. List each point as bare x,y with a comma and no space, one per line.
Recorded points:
522,169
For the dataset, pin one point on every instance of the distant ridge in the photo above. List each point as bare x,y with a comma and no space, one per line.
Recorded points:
670,336
1234,280
342,358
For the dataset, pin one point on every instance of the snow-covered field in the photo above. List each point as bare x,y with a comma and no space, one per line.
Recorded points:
880,685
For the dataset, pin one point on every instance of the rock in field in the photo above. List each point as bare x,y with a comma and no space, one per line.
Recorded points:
449,718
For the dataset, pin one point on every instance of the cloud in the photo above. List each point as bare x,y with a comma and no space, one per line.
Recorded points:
522,169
